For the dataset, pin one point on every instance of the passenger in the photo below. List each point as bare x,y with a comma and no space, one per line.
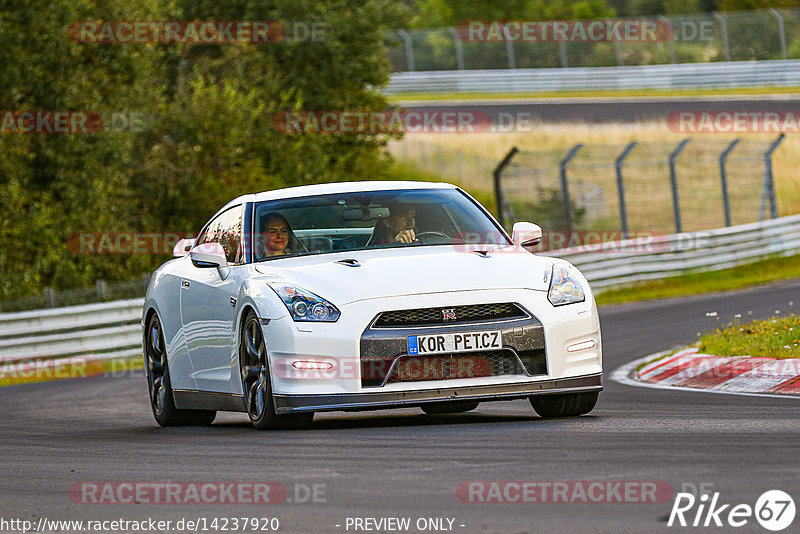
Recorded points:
279,238
397,228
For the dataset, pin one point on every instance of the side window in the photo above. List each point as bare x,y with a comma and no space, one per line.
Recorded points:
226,229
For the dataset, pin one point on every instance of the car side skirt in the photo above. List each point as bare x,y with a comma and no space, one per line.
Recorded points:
188,399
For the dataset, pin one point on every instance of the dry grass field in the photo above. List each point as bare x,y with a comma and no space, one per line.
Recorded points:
468,159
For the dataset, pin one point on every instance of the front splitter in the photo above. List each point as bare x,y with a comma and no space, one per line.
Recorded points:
397,399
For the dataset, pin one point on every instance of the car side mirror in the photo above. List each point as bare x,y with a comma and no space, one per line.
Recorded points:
525,234
210,255
182,247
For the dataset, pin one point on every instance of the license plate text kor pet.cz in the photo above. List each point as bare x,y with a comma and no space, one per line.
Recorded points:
454,343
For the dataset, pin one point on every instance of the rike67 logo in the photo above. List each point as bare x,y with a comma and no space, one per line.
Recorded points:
774,510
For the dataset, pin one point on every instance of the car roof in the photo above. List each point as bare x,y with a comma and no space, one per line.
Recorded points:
336,187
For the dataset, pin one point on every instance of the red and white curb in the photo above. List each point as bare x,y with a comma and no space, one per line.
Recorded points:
689,370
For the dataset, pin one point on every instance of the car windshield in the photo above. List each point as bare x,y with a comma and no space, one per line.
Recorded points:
373,219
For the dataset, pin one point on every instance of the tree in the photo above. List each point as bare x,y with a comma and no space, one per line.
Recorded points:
436,13
210,133
58,184
215,137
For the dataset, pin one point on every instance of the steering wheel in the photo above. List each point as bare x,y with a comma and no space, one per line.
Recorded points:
422,235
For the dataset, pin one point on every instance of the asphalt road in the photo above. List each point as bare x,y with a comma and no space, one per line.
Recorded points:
405,464
598,110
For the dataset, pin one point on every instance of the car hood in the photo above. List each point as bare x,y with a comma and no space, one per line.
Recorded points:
394,272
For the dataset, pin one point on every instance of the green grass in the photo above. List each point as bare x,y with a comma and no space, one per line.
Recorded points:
773,338
753,274
600,94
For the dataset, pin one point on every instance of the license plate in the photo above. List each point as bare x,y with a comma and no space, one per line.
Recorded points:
454,343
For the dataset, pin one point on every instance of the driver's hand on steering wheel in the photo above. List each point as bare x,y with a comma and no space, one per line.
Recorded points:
405,236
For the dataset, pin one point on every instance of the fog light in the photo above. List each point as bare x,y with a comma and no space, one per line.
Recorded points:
312,366
583,345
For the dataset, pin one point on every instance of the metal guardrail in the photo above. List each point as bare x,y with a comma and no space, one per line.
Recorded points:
101,331
679,76
633,260
112,330
751,35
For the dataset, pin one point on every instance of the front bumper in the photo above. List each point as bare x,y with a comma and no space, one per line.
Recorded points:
397,399
340,344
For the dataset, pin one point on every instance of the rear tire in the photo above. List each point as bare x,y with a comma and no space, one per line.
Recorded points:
256,383
437,408
564,405
159,386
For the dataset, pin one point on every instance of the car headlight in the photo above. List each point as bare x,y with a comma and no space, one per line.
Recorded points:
305,306
564,287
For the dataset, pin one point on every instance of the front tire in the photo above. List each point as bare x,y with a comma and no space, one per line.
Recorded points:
564,405
256,384
437,408
159,386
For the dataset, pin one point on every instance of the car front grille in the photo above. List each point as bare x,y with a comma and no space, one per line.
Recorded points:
454,366
475,313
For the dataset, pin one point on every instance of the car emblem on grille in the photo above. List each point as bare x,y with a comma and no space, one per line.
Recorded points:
449,314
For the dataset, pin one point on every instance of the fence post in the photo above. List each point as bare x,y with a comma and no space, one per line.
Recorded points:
512,61
672,57
676,207
723,176
101,287
623,212
562,51
405,36
726,49
781,29
618,53
459,50
769,181
500,201
617,49
50,297
565,183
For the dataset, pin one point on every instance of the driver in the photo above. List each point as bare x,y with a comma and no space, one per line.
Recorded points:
397,228
278,239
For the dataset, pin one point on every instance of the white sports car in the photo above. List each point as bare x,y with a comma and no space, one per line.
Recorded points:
365,295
